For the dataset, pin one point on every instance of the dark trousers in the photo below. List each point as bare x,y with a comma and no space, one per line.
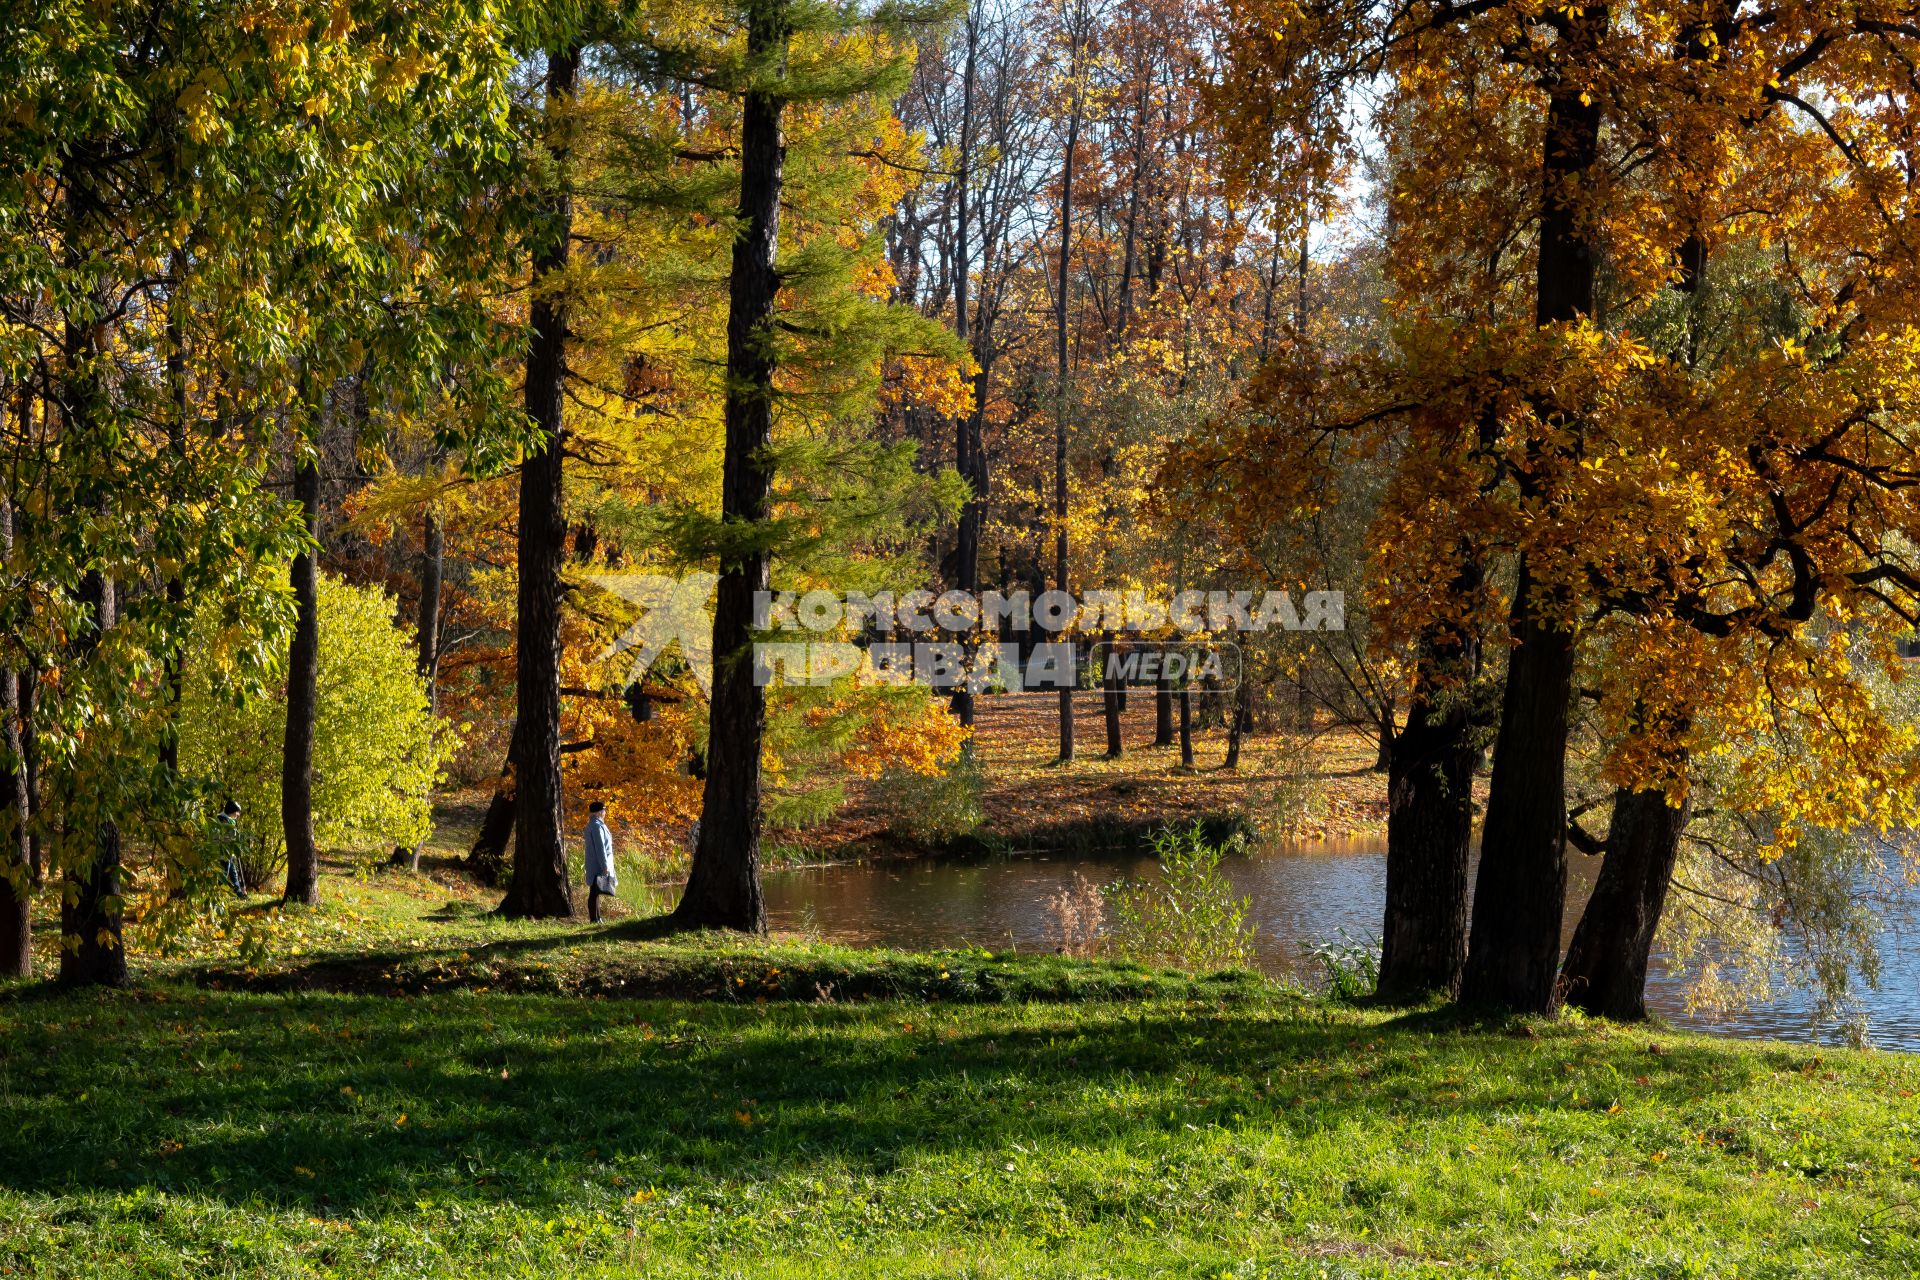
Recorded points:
593,904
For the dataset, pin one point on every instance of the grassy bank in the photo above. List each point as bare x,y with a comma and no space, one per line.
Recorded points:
1120,1123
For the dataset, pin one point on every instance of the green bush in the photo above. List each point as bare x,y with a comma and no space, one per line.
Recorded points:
1189,917
931,808
377,749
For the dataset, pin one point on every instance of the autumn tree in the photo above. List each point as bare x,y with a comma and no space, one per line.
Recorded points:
968,246
789,56
540,886
190,192
1610,136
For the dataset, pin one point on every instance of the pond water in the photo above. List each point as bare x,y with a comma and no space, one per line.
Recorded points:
1299,898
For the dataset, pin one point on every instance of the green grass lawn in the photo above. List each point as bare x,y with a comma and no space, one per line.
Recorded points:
811,1111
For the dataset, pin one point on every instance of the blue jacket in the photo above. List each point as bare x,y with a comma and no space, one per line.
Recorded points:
600,854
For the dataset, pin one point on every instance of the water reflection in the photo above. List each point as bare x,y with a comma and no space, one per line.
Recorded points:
1299,899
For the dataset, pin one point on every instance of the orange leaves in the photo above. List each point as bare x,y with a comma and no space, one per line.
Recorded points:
1711,477
921,739
638,769
939,386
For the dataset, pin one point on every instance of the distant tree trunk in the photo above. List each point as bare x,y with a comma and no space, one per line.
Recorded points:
303,665
1110,701
1163,711
586,542
16,850
95,919
1186,725
540,888
723,887
16,855
1211,714
1383,748
432,562
30,773
1242,720
487,858
1513,951
433,554
1606,967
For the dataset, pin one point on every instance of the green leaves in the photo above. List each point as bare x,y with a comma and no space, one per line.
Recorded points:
210,216
378,750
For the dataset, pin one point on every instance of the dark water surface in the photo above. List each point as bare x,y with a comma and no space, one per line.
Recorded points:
1299,898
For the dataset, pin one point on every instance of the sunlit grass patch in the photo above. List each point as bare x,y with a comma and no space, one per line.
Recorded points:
189,1132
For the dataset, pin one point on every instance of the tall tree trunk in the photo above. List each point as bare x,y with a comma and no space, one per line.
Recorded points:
1062,373
1513,950
723,887
171,671
16,854
540,888
1430,765
16,851
92,910
433,557
967,553
980,480
303,666
1606,968
1123,307
1423,938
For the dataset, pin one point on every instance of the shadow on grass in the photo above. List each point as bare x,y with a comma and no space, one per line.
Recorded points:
330,1104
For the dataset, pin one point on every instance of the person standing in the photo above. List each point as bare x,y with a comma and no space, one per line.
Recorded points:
602,879
229,835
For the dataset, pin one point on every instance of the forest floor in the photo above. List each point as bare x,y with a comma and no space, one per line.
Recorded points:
803,1110
1304,787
